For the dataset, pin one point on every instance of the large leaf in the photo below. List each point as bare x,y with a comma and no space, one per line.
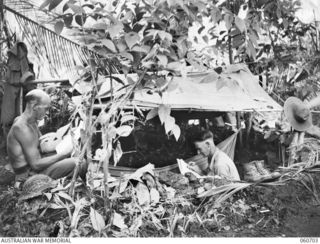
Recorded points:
172,3
76,8
131,38
115,30
67,18
240,24
143,194
65,196
127,56
124,130
109,44
44,4
117,153
164,112
128,118
54,3
100,26
163,60
228,19
154,195
169,124
80,19
176,132
152,113
251,49
58,27
118,221
216,14
97,220
141,49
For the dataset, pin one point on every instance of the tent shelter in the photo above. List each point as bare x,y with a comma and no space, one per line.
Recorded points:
235,89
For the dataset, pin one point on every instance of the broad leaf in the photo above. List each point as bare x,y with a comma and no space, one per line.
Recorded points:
206,39
137,223
165,35
97,220
124,130
118,221
152,113
228,18
201,29
100,26
115,30
127,56
169,123
172,3
143,194
80,19
131,38
65,196
154,195
163,60
58,27
54,3
176,132
112,131
65,7
128,117
142,49
76,8
240,24
164,113
216,14
67,19
100,154
117,153
161,82
44,4
109,44
251,50
176,66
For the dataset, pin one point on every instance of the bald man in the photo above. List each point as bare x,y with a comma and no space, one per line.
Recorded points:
23,142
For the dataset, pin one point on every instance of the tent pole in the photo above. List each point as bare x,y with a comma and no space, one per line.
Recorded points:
238,115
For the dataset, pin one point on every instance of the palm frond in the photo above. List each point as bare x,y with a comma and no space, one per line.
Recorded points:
225,190
57,51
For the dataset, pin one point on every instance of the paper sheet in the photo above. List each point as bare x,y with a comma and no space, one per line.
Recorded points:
183,166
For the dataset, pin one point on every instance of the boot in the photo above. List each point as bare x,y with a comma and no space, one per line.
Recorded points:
266,174
261,168
251,172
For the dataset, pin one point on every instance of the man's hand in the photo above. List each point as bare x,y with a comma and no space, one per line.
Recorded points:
193,166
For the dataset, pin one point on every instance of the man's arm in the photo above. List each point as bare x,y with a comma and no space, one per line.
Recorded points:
29,143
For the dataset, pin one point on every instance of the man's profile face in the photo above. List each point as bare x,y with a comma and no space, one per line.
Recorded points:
42,108
203,147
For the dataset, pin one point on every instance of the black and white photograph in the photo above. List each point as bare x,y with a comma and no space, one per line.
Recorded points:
159,119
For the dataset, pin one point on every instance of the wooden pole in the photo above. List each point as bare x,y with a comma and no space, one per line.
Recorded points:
49,81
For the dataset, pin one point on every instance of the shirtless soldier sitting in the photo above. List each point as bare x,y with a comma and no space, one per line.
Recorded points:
23,142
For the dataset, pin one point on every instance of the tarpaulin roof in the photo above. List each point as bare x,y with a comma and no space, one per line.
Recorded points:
235,89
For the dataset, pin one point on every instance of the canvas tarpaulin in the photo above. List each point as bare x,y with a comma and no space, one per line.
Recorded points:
235,89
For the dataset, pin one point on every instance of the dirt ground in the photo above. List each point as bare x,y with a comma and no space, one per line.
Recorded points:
289,210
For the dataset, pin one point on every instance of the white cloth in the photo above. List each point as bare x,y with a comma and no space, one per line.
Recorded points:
223,166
